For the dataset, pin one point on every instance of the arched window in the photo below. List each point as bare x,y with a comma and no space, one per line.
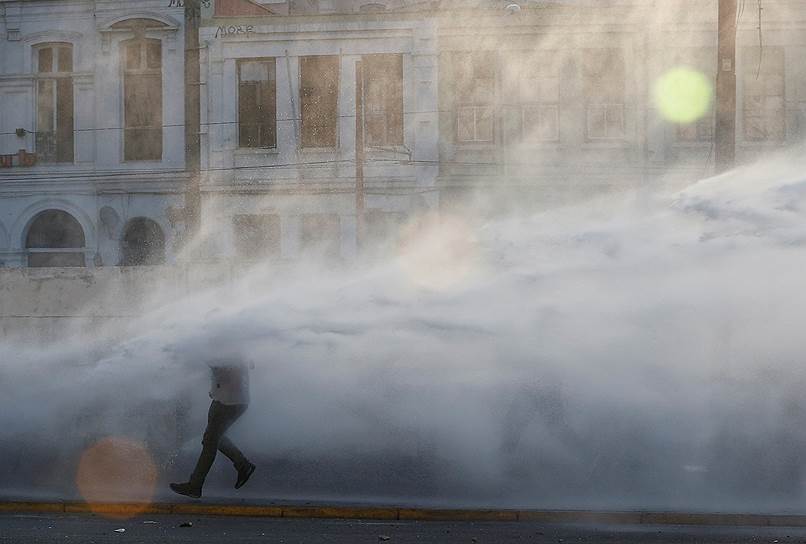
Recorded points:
54,102
143,243
55,238
141,59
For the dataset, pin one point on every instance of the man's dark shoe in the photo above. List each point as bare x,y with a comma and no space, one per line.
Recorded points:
187,489
244,473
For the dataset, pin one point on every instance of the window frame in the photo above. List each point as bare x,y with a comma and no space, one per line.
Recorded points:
476,107
142,41
387,113
600,104
302,99
57,77
550,69
272,61
36,251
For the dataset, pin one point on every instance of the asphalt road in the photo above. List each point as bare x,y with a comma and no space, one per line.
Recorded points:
67,528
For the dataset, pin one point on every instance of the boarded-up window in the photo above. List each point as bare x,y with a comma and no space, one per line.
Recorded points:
475,96
604,91
54,103
257,103
383,99
55,238
764,113
142,99
257,236
320,98
321,234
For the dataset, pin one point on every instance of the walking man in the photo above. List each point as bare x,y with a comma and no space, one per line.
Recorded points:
230,393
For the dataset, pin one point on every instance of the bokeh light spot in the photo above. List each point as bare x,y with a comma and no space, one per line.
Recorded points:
117,477
683,95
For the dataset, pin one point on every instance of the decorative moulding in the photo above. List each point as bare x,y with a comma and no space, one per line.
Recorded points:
170,24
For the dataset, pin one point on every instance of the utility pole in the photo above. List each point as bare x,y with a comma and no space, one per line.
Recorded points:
725,136
192,118
359,154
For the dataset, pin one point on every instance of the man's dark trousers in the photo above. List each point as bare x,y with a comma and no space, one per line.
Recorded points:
219,419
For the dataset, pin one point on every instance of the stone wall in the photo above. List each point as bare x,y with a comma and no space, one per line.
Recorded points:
45,304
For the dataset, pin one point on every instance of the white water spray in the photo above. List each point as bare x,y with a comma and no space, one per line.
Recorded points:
591,356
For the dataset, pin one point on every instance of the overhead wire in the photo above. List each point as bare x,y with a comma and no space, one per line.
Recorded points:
111,175
130,173
212,123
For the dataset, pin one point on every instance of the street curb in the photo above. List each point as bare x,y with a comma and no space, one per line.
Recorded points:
125,510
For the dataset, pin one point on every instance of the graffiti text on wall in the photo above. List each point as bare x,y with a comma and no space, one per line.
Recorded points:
233,30
181,3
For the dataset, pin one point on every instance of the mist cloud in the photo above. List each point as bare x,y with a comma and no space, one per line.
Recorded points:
608,355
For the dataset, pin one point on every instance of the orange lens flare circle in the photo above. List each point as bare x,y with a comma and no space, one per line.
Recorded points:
117,477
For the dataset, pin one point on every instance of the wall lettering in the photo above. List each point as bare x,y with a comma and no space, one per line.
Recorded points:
181,3
233,30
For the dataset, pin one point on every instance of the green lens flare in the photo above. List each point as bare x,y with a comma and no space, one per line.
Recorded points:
683,95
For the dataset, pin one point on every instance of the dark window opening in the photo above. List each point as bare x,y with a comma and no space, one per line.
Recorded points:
142,98
55,238
54,103
143,243
257,103
257,236
319,78
383,99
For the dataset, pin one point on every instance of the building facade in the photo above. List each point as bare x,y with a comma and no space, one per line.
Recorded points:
539,103
91,132
535,103
558,99
279,114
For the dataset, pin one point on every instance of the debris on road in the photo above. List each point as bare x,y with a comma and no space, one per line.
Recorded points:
186,524
384,538
120,530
